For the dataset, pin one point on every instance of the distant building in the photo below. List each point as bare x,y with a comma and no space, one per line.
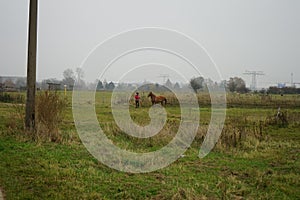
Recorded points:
53,86
281,85
14,79
12,83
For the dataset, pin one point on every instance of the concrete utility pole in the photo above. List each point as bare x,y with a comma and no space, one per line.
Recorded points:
31,66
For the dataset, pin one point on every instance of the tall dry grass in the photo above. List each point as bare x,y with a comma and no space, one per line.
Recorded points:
50,112
50,108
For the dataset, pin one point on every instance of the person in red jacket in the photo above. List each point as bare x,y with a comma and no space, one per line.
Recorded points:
137,100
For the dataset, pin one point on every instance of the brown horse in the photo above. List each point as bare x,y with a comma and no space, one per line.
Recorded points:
157,99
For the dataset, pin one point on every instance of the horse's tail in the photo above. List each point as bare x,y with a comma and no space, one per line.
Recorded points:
165,101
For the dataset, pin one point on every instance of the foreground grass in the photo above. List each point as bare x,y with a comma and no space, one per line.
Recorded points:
56,171
258,169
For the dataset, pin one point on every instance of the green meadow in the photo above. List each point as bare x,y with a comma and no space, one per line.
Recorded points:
256,157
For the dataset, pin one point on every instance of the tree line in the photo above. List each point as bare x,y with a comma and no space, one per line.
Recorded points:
69,78
234,84
237,84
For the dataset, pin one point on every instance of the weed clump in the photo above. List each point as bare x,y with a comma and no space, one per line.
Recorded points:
50,107
279,119
241,134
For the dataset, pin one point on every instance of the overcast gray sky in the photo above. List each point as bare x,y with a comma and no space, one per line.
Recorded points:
239,34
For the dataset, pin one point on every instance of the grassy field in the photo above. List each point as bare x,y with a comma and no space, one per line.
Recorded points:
257,156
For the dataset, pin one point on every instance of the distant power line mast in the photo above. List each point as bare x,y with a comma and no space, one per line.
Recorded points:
164,77
253,85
